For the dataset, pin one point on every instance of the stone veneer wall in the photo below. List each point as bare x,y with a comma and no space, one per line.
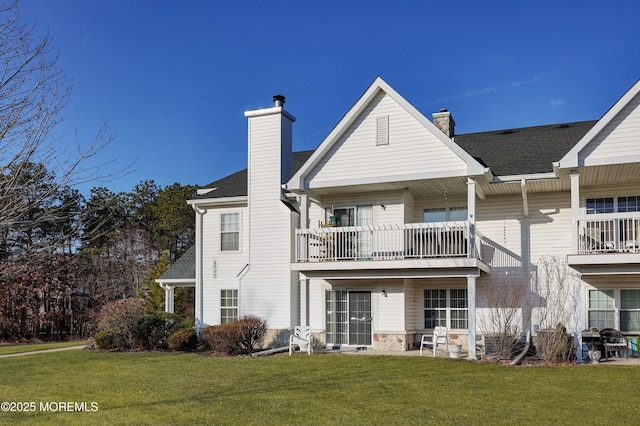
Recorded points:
391,342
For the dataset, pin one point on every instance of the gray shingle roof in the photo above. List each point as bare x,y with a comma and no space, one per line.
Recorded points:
525,150
184,268
507,152
235,185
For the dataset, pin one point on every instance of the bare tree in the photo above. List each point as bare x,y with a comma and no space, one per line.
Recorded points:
555,308
500,321
33,94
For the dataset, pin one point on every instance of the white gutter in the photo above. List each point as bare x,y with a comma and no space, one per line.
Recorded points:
218,201
529,177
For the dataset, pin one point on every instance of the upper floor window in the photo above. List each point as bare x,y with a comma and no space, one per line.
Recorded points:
230,232
629,204
351,216
613,204
445,214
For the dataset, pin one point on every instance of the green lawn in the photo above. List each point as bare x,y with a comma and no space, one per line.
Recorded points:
153,388
11,348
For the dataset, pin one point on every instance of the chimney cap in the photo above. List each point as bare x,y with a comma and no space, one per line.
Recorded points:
444,110
278,100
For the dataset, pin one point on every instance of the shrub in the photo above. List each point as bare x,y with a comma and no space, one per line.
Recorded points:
223,339
113,338
184,340
252,331
555,345
120,313
241,337
151,331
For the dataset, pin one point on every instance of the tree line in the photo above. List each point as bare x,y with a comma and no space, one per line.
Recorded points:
57,273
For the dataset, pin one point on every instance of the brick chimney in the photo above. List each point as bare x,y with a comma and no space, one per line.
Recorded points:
444,121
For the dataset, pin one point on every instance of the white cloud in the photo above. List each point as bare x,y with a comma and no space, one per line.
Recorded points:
497,88
557,102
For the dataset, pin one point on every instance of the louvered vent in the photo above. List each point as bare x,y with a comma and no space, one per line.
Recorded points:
382,130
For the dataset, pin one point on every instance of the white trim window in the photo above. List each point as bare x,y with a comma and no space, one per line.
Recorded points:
228,306
605,205
446,308
230,232
630,310
601,309
445,214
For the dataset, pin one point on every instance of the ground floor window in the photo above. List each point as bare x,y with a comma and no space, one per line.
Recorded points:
629,310
446,308
601,309
228,306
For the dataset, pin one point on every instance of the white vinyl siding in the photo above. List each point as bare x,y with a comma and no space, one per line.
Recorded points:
617,140
415,147
267,287
228,264
390,310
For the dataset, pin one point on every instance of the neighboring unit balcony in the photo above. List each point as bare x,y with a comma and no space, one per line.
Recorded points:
608,243
608,233
388,242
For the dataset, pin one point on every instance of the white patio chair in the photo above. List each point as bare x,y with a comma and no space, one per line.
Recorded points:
439,336
300,338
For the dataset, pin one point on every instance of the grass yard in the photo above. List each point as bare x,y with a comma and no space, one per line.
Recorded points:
14,348
154,388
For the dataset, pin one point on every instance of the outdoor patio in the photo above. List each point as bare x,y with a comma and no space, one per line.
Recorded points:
611,361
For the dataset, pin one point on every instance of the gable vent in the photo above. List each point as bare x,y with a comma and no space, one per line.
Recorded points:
382,130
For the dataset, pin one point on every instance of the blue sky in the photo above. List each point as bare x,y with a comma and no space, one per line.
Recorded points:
173,78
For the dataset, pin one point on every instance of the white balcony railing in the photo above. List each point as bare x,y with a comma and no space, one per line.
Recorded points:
386,242
609,234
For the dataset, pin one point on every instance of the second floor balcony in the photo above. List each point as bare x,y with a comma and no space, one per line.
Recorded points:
388,242
609,233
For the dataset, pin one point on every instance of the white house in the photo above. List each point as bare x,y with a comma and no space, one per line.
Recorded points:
395,225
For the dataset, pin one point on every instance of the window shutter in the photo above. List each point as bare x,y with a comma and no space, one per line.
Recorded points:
382,130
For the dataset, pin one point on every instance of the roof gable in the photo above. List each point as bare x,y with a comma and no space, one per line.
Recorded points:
418,149
613,139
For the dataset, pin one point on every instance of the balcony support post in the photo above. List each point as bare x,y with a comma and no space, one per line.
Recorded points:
471,208
575,209
471,305
304,299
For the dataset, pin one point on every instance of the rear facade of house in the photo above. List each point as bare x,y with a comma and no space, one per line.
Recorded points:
395,225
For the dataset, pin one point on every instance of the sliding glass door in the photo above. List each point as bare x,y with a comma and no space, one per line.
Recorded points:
348,317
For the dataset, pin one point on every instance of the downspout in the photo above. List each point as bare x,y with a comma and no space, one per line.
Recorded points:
244,271
526,255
